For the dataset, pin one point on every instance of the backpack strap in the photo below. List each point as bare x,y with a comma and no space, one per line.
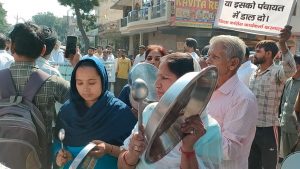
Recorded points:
35,82
7,86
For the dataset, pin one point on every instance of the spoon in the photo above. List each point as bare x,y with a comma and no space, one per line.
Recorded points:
139,92
61,136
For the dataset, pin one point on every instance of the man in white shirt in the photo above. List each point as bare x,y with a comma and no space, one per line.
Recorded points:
57,54
90,53
190,47
246,69
141,56
109,50
232,103
43,61
99,52
5,58
106,57
109,63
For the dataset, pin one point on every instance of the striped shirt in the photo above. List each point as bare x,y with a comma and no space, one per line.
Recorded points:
267,86
54,89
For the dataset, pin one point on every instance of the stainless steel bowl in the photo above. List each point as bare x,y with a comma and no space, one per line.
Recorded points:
188,96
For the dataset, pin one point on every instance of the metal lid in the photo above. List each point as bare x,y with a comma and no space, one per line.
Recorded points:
148,73
291,161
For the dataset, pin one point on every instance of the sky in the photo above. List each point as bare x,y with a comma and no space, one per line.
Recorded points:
25,9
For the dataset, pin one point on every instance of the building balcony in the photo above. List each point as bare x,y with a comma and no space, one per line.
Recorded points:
147,18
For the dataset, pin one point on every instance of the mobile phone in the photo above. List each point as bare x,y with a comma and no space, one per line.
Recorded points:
71,46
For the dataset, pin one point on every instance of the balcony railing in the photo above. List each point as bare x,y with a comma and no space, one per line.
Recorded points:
158,11
138,15
147,13
147,17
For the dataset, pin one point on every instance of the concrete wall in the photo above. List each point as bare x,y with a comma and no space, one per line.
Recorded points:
106,14
174,42
167,41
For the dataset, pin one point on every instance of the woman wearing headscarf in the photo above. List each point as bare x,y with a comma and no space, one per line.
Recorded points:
92,113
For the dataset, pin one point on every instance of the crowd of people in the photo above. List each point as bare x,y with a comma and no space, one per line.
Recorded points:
88,96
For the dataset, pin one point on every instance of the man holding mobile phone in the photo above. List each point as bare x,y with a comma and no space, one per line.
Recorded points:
72,56
267,84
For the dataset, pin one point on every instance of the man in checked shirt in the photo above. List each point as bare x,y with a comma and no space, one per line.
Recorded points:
27,45
267,84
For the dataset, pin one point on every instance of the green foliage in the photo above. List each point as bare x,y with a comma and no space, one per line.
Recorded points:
89,22
85,20
61,27
46,18
3,24
57,24
85,5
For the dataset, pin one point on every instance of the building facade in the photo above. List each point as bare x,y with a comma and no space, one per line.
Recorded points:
108,20
129,23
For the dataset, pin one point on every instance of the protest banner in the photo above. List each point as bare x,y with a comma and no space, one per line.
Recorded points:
111,71
195,13
256,17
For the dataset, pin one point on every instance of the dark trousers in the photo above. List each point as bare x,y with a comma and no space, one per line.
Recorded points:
120,83
263,152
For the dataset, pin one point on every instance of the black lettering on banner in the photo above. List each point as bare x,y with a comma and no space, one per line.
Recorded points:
236,14
228,3
263,18
244,5
277,7
271,7
248,17
250,5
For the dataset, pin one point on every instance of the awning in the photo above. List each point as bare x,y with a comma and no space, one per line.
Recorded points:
121,3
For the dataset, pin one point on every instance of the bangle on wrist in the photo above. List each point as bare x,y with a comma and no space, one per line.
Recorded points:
125,161
188,154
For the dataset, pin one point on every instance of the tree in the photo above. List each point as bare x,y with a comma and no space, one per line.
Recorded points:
48,19
3,24
82,10
60,27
